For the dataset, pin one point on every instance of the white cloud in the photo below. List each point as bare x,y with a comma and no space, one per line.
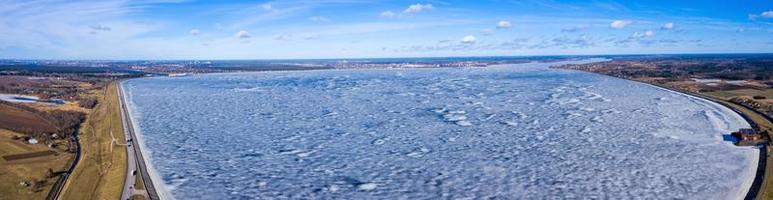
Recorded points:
319,19
415,8
242,35
637,35
468,39
619,24
194,31
740,30
387,14
667,26
767,14
504,25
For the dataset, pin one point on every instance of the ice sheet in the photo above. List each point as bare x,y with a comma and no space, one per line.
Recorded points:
516,132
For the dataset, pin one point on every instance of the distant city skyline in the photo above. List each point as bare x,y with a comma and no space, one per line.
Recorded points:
312,29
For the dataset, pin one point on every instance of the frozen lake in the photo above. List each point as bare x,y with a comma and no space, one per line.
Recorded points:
515,132
18,98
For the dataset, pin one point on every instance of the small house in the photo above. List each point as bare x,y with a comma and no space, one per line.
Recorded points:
750,137
747,136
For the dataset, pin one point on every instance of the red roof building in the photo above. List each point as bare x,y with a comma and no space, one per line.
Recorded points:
747,134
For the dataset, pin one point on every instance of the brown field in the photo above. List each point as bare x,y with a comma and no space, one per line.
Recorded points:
101,172
12,173
68,106
138,197
18,119
35,154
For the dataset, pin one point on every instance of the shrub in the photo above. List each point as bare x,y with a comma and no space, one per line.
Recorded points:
89,102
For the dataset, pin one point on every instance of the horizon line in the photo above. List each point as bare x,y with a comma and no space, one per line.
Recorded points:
407,57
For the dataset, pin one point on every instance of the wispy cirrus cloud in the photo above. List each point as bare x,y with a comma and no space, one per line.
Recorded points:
411,9
115,28
388,14
766,15
319,19
574,29
61,26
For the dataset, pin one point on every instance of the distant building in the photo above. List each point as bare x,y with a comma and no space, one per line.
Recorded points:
32,141
747,136
746,131
177,74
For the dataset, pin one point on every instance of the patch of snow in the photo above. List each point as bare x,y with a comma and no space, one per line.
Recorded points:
367,186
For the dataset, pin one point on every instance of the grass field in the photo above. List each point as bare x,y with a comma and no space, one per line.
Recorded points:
14,172
101,172
725,94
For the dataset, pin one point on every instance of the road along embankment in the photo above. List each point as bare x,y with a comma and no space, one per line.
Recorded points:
762,184
135,154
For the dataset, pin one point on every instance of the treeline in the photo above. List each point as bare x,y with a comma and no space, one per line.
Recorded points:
43,91
29,69
752,69
48,89
760,69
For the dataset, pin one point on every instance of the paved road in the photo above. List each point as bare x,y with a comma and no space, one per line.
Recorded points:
56,190
135,161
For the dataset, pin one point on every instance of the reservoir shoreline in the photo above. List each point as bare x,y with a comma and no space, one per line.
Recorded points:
756,185
155,182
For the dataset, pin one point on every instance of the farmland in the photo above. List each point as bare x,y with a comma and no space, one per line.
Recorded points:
38,144
14,172
14,118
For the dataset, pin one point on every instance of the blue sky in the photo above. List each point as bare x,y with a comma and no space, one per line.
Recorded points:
179,29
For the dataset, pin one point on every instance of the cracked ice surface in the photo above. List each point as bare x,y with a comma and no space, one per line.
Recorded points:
519,131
